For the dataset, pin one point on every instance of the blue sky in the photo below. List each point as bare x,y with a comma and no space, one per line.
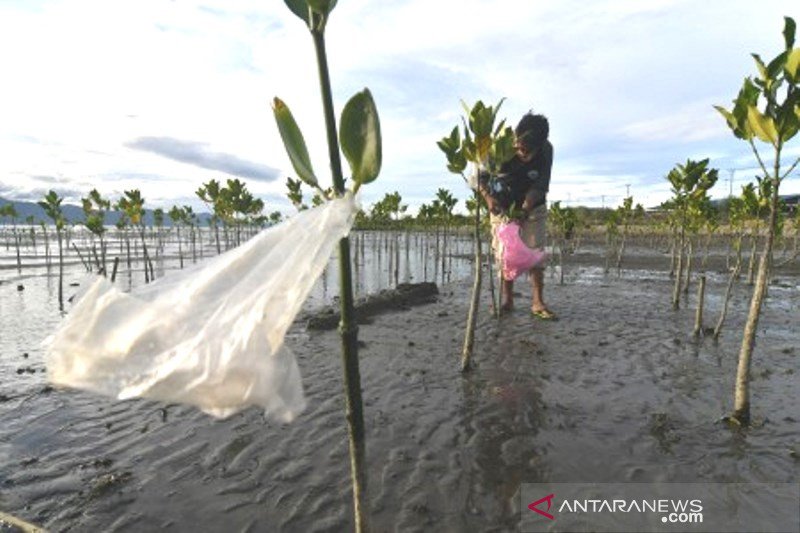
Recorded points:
164,95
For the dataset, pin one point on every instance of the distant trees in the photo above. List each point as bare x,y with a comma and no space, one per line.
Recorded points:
233,205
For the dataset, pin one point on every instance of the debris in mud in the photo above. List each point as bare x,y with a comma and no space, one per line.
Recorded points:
403,297
107,483
98,464
661,427
794,453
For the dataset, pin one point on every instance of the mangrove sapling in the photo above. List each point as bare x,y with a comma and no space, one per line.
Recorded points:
795,252
210,194
12,214
86,264
46,244
190,219
158,229
94,210
52,208
758,113
565,221
697,218
30,220
445,203
627,215
698,317
487,147
690,184
711,225
737,217
360,140
690,252
612,238
175,214
727,298
132,204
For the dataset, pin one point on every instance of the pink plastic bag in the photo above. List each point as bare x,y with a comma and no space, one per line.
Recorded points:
517,257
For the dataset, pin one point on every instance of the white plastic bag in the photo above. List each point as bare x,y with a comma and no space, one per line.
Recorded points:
210,336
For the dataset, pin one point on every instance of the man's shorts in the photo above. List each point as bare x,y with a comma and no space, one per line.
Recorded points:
534,229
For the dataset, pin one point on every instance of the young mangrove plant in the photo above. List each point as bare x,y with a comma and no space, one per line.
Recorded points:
487,147
360,141
209,193
627,215
294,192
766,109
94,210
177,216
52,208
565,221
132,204
690,184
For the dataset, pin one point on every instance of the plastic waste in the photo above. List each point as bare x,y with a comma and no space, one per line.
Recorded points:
517,257
211,335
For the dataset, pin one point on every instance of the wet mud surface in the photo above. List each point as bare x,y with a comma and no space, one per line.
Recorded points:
616,390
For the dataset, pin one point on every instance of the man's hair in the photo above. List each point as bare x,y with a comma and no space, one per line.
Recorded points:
532,130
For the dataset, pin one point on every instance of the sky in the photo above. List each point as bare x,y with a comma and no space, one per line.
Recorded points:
165,95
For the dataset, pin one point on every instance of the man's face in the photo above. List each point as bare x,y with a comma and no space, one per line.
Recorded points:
523,152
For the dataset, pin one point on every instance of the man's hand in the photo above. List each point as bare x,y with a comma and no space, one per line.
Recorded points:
490,202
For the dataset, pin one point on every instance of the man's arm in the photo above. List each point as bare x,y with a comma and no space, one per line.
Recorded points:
537,194
534,197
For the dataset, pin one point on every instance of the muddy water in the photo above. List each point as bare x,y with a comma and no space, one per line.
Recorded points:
616,390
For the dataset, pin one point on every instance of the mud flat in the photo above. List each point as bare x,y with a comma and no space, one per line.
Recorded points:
616,390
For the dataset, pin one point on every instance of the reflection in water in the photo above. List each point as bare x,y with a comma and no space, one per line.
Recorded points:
501,414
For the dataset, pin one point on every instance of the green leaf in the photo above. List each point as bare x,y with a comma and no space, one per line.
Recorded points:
776,65
360,137
792,64
294,142
323,7
788,32
739,130
299,8
762,126
729,118
457,163
450,144
762,68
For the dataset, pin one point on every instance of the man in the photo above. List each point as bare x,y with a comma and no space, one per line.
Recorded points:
520,192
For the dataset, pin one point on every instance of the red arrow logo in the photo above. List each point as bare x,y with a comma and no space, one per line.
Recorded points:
549,500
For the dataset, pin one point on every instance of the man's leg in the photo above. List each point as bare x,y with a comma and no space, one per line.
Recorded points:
507,292
537,289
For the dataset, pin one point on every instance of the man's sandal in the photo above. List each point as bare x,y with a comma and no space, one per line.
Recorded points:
544,314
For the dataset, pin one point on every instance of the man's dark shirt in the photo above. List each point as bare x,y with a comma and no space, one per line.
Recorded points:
535,174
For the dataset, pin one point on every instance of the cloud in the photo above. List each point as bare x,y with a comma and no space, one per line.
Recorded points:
698,122
195,153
